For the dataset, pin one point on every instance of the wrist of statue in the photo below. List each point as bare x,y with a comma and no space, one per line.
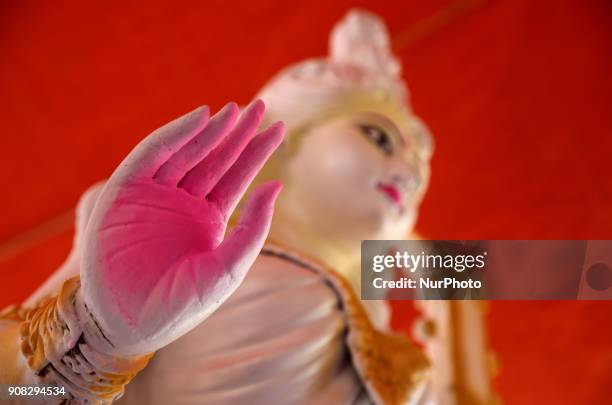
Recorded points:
64,345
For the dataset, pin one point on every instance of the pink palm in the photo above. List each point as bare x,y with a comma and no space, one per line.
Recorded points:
155,259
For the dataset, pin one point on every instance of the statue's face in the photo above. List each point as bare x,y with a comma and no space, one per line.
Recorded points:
355,174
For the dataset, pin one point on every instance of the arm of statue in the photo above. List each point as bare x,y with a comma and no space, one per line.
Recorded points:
71,266
155,262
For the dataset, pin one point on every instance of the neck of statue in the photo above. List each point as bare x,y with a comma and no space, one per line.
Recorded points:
341,255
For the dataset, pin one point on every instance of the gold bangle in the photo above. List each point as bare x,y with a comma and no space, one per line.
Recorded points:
57,350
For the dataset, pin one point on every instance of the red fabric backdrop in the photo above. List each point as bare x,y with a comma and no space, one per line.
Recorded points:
517,93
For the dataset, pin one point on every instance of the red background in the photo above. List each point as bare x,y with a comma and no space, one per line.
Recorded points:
517,94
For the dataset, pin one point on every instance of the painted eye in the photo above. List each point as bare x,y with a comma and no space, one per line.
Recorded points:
378,137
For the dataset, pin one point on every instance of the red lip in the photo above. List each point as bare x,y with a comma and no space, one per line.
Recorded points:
391,191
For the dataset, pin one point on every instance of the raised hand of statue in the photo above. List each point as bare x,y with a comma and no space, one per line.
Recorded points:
155,260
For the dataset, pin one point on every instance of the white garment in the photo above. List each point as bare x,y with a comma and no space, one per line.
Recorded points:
278,340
